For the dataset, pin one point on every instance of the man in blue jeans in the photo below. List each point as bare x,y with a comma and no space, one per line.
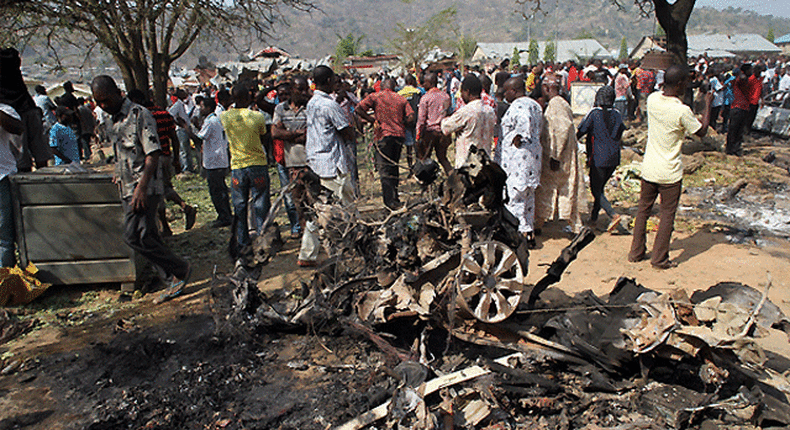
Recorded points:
249,170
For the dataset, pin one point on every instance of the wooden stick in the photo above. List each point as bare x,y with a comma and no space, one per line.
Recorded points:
425,389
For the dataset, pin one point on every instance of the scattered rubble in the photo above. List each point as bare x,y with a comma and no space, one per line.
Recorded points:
438,287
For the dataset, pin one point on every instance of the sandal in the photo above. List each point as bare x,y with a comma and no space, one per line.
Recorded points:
175,289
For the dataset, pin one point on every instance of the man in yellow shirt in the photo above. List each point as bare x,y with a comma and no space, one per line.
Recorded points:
668,122
249,172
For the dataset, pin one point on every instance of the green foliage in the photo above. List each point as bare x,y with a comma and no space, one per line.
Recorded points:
770,36
623,49
347,46
367,53
464,47
550,51
533,53
515,59
660,32
411,44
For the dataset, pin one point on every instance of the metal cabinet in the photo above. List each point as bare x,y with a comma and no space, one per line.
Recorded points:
70,226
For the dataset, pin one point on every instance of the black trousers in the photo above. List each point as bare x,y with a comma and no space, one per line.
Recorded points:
738,121
218,191
599,176
142,235
714,116
752,116
725,117
387,157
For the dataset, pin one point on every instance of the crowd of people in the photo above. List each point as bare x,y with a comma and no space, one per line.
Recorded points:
310,124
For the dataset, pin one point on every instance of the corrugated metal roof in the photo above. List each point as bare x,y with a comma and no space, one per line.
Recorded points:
735,43
711,53
566,49
783,39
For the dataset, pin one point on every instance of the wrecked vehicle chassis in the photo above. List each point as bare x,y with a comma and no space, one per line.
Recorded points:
459,240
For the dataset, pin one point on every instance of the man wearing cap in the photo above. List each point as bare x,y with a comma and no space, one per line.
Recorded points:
520,154
560,178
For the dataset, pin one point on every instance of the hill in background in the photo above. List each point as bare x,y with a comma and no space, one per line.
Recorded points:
502,21
315,35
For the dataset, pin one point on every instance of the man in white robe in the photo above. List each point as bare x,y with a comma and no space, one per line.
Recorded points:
521,154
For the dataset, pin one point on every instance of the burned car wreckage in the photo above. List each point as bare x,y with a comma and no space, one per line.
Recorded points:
445,276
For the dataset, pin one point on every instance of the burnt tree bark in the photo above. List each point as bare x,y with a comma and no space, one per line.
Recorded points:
673,19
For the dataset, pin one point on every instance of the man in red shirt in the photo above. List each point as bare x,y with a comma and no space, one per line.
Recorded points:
573,74
755,94
432,109
739,111
645,83
391,112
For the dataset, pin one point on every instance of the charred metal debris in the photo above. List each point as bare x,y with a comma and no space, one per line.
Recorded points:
439,287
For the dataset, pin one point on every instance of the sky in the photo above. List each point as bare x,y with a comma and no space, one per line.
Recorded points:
764,7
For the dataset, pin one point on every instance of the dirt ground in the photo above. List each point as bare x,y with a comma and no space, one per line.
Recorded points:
94,362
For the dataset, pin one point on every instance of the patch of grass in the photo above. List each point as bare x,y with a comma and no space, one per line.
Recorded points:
709,174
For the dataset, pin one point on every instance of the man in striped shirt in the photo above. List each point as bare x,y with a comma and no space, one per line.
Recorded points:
166,131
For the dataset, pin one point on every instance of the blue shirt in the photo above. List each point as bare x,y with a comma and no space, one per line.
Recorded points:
605,149
47,107
729,95
63,138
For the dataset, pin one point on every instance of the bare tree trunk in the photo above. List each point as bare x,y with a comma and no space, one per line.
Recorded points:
160,74
141,81
673,19
135,74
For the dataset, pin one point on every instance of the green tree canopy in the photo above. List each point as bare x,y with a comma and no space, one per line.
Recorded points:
533,54
770,36
464,47
623,49
412,44
515,59
550,51
347,46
